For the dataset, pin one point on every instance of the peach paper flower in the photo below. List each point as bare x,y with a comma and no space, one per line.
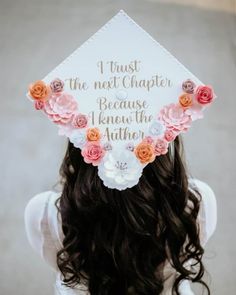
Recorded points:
144,152
175,118
93,134
93,153
185,100
39,90
61,108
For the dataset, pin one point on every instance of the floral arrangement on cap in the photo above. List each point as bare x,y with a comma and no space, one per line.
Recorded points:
118,169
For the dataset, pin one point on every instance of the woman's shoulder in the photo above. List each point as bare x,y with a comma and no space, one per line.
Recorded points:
41,225
35,207
207,216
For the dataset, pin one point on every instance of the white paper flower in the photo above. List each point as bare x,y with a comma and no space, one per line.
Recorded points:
78,138
196,111
64,130
120,170
156,128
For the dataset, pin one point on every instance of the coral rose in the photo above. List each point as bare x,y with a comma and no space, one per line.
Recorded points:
144,152
39,90
188,86
175,118
79,121
185,100
61,108
57,85
93,153
161,147
93,134
204,94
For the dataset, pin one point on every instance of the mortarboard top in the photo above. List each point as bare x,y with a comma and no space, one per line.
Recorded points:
122,79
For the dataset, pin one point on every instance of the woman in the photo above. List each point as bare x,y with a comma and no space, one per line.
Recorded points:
147,239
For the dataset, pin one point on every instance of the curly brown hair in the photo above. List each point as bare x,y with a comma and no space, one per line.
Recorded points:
118,241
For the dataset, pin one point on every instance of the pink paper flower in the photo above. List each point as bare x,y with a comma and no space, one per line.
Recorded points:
148,139
57,85
93,153
175,118
39,105
161,147
79,121
204,94
170,135
61,108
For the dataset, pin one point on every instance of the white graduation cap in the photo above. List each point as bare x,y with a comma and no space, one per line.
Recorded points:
121,98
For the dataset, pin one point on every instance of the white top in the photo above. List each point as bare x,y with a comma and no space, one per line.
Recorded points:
44,233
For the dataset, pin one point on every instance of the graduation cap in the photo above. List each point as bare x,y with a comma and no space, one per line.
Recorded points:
121,98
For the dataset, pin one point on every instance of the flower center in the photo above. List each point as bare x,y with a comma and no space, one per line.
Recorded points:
121,165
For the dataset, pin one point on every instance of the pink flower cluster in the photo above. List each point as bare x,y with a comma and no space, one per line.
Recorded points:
62,109
93,151
177,117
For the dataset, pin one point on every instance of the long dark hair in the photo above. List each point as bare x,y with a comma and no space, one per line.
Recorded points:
117,242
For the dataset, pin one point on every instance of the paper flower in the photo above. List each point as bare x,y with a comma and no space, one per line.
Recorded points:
130,146
161,147
57,85
156,128
107,146
39,90
120,170
195,112
174,117
77,137
185,100
148,139
170,135
93,134
61,108
144,152
65,130
188,86
204,94
92,152
79,121
39,104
